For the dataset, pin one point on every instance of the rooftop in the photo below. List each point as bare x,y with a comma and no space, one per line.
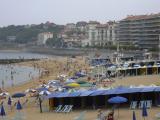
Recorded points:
140,17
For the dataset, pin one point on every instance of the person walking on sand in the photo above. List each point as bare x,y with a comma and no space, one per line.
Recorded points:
100,115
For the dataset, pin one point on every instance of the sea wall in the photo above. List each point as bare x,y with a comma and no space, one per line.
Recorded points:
10,61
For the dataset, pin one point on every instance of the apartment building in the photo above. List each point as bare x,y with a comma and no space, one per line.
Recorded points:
140,30
43,37
101,34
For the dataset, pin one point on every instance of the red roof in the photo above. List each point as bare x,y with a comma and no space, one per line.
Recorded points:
140,17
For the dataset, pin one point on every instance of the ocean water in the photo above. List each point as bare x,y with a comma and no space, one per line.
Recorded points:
17,55
11,75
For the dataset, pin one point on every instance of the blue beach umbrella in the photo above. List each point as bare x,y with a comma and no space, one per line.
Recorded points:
2,112
134,115
19,106
18,95
117,100
144,111
9,101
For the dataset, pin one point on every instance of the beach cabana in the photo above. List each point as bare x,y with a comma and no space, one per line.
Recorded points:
143,70
155,69
158,69
149,70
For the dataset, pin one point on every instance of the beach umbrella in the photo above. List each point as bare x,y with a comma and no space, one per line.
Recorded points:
81,82
44,86
134,115
86,85
19,106
73,85
4,94
9,101
2,112
30,91
70,81
117,100
41,89
68,87
144,111
44,93
54,82
18,95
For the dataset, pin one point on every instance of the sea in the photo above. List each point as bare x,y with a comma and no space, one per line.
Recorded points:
11,75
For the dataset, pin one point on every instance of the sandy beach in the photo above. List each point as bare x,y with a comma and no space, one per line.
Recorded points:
58,66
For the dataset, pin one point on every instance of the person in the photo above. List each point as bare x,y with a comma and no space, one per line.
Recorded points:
100,115
110,115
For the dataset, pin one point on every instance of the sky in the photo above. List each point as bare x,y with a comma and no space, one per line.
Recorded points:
21,12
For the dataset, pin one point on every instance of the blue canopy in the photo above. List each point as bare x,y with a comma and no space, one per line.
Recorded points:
2,112
157,89
75,94
148,89
117,99
98,92
52,95
134,90
87,93
122,90
62,94
109,92
19,106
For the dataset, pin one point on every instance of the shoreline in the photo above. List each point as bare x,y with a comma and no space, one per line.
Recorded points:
55,66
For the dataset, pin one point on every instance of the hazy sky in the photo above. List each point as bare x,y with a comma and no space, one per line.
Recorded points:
20,12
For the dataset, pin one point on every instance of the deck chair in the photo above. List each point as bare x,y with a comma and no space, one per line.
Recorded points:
81,116
141,104
69,109
133,104
149,103
64,108
58,108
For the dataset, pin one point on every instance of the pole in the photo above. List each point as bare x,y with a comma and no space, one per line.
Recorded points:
159,47
40,103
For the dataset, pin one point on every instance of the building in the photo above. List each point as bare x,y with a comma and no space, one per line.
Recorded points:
141,30
101,34
11,38
70,27
43,37
81,26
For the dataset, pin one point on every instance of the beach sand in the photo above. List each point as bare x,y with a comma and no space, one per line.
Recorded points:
58,66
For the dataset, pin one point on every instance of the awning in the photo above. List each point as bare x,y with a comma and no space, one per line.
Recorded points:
87,93
97,92
62,94
148,89
75,94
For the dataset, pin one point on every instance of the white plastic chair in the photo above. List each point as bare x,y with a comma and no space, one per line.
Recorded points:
133,104
141,104
149,103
